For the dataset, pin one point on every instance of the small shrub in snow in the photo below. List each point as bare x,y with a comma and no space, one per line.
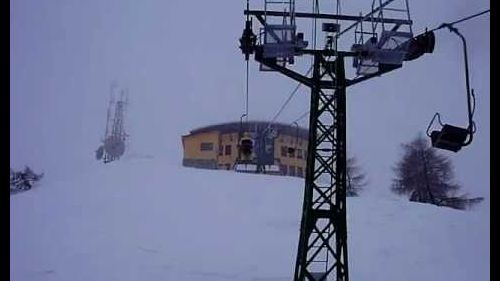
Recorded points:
23,180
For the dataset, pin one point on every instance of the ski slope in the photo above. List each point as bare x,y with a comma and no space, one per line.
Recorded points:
151,219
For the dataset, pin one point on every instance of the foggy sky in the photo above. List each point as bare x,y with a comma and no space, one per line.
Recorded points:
181,64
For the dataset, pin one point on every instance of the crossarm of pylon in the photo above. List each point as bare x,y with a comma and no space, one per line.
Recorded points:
290,73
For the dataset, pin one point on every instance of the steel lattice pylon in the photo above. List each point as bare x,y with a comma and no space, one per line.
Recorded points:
322,249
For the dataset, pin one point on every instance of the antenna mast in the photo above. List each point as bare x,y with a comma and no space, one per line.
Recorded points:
113,145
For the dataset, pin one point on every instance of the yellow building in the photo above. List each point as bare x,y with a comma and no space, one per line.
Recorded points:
216,146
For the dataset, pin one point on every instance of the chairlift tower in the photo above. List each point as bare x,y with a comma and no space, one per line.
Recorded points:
380,48
113,146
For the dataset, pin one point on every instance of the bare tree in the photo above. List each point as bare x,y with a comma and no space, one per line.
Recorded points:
356,178
427,176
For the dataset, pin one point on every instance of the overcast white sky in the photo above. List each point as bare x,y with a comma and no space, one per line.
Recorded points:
181,63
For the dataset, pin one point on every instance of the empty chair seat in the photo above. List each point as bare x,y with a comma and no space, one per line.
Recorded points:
450,138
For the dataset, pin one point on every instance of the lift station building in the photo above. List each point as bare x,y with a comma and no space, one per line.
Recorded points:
216,146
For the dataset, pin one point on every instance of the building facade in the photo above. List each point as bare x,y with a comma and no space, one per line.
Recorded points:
276,144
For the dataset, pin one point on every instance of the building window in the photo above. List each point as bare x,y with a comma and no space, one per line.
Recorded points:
300,172
299,153
284,170
291,170
284,151
221,148
206,146
228,149
291,152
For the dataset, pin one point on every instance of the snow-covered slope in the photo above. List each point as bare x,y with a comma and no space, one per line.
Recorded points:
147,219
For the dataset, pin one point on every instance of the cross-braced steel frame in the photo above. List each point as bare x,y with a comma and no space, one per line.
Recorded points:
323,237
322,249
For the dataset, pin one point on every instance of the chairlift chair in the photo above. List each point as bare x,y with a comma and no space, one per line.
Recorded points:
99,153
451,137
246,147
245,162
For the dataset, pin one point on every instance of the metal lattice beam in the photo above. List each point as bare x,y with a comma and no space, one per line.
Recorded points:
258,14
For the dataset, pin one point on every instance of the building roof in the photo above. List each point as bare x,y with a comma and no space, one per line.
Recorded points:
234,127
